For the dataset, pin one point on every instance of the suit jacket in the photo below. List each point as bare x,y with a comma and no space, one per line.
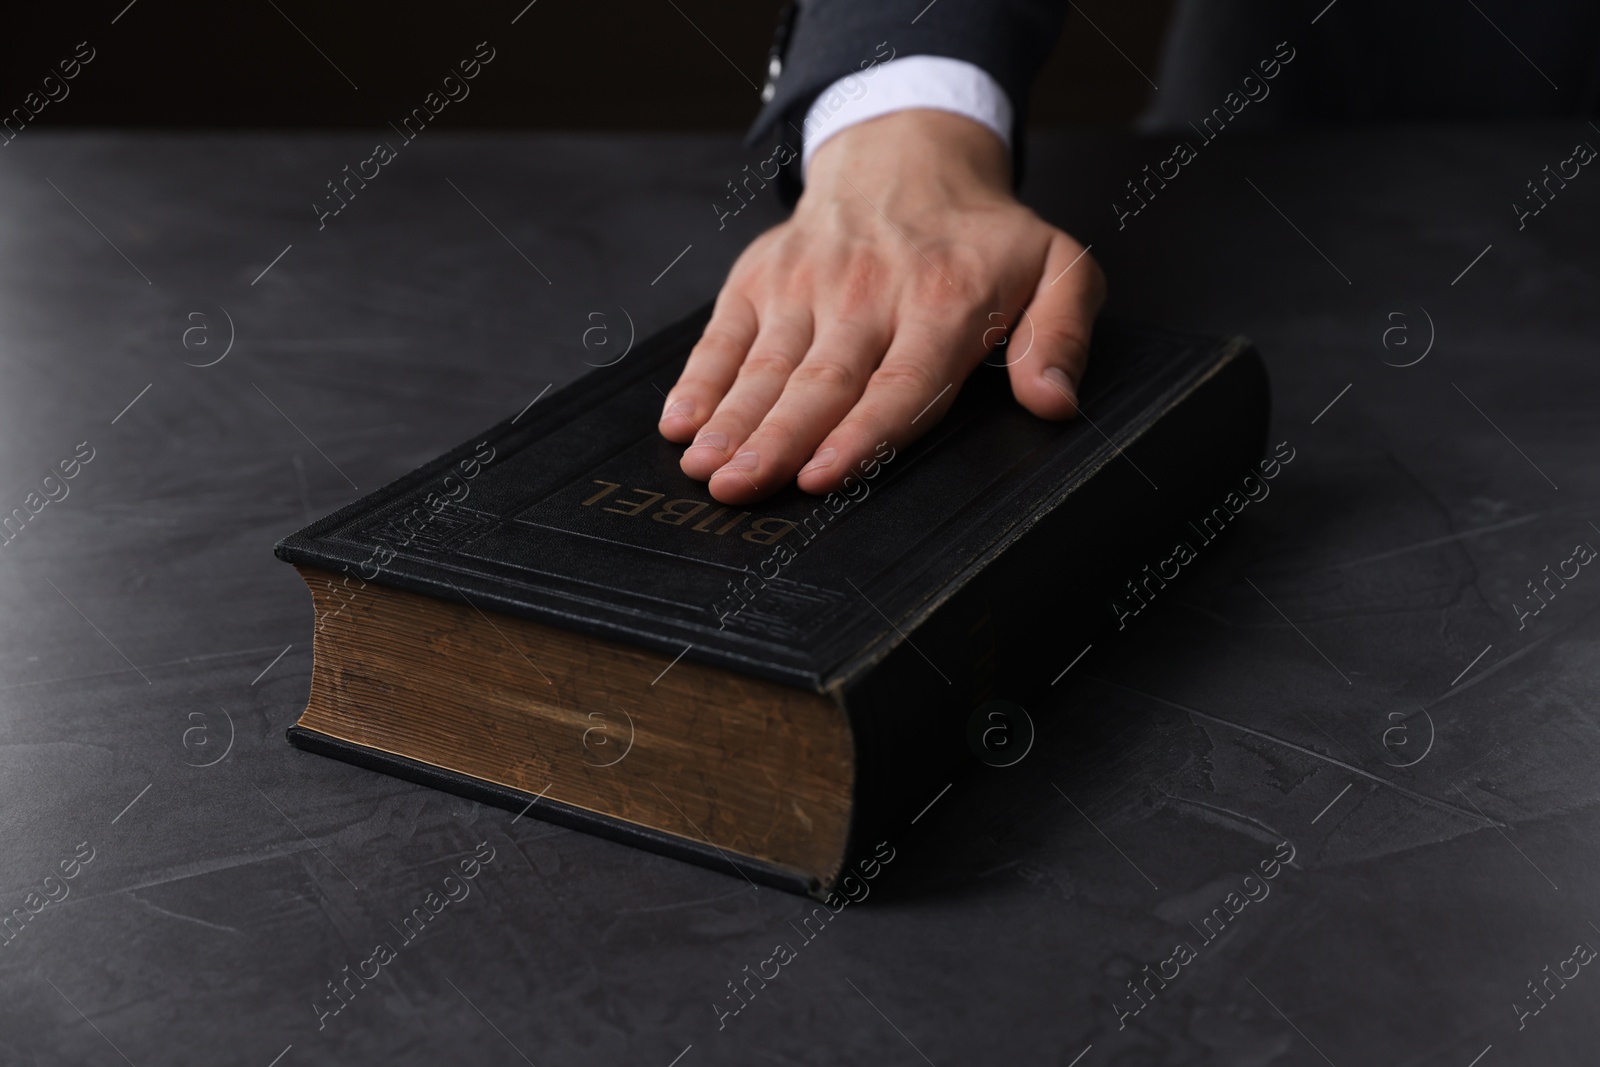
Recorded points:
1359,60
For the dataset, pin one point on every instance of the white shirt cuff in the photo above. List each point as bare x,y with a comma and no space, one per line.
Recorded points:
936,82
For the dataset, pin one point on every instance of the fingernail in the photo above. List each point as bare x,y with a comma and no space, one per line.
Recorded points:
680,408
712,439
744,461
1058,380
822,459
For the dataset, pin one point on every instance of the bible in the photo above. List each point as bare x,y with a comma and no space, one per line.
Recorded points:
554,619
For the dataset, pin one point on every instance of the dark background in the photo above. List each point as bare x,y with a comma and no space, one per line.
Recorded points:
1258,702
191,64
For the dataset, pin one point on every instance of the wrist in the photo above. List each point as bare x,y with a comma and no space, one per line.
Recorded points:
920,153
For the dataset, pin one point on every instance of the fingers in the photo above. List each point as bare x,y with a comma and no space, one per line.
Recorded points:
713,364
781,343
910,392
1054,331
802,389
818,394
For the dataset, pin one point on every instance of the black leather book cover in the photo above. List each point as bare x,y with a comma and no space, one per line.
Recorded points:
574,513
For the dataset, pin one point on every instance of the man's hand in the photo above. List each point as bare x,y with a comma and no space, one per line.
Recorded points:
857,320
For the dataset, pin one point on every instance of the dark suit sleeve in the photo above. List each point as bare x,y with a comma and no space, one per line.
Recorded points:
821,41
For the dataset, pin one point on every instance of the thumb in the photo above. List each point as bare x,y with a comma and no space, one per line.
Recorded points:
1055,329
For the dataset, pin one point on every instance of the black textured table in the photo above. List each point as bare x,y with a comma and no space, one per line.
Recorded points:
1357,669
